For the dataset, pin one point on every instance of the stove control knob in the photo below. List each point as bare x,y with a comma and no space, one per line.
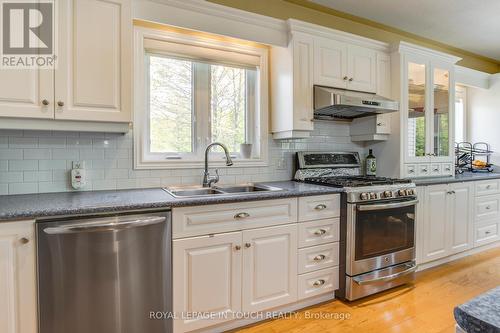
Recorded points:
387,194
373,195
364,196
410,192
401,193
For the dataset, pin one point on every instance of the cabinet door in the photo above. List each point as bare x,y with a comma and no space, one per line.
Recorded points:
384,75
24,91
303,82
206,278
269,267
361,69
330,63
93,79
17,278
435,223
461,220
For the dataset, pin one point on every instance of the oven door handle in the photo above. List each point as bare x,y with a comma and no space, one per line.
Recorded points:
412,268
387,205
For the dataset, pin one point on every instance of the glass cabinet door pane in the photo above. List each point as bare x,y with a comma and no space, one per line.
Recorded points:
441,112
416,109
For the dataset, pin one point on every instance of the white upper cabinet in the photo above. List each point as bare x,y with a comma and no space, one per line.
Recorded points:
92,81
318,56
26,93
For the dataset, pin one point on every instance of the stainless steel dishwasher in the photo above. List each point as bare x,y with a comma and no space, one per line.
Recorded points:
105,274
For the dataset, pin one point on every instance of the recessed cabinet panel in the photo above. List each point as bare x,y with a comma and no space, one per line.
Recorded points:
330,63
461,217
93,78
435,223
361,69
26,93
302,84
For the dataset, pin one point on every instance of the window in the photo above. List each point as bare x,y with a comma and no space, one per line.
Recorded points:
194,95
460,113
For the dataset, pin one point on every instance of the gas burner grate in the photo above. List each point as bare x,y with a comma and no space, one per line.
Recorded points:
355,181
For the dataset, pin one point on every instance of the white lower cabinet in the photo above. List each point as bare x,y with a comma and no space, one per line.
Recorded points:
17,277
221,274
269,267
447,220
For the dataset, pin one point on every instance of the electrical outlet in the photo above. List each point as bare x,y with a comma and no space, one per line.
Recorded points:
78,165
281,164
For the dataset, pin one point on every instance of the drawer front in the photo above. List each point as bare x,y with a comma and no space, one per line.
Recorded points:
203,220
447,169
487,187
487,208
319,282
410,170
435,170
486,233
319,207
318,257
423,170
319,232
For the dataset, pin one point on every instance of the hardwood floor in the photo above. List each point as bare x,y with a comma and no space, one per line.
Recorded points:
425,307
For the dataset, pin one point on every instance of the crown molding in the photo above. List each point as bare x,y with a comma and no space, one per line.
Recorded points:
405,47
472,78
318,30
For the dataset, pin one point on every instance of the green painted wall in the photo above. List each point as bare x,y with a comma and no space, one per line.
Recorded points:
309,12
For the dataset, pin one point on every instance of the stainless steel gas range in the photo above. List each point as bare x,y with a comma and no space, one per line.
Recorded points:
377,233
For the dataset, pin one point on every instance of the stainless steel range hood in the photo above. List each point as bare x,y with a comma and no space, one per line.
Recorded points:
338,104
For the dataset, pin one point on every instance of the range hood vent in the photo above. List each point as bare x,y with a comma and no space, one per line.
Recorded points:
339,104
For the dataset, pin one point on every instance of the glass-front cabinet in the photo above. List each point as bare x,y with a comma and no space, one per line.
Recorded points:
427,112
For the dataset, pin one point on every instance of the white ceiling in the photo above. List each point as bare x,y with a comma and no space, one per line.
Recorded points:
472,25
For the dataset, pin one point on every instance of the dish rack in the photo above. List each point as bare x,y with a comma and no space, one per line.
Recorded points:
466,153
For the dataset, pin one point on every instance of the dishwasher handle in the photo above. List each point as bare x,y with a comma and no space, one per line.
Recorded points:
106,225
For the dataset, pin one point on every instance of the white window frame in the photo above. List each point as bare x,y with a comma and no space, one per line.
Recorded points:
461,91
257,121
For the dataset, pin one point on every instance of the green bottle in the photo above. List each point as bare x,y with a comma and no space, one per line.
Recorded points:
371,164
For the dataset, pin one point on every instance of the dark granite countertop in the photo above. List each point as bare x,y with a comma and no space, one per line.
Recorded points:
29,206
481,314
465,177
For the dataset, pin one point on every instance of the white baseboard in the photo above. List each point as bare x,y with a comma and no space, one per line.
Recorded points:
457,256
283,309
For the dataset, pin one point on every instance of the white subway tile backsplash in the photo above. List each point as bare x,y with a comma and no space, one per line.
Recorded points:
40,161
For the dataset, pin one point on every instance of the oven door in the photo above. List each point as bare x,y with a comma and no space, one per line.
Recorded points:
380,235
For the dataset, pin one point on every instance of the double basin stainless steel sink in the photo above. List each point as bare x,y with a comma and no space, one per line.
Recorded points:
198,191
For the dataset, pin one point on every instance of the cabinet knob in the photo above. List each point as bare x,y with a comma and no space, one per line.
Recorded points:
488,207
247,245
45,102
379,124
320,207
241,215
60,103
24,240
320,232
487,232
237,247
350,80
488,187
319,257
319,283
345,78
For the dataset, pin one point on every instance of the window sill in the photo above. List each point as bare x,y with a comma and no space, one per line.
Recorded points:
178,164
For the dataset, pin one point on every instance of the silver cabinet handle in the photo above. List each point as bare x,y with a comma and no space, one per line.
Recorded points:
369,207
45,102
60,103
488,187
24,240
379,124
350,80
320,232
241,215
487,232
411,171
319,257
488,207
109,225
424,170
319,283
345,78
247,245
320,207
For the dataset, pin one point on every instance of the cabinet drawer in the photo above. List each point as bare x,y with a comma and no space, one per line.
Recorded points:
486,233
423,170
318,257
319,207
447,169
203,220
435,170
487,187
319,282
410,170
318,232
487,207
